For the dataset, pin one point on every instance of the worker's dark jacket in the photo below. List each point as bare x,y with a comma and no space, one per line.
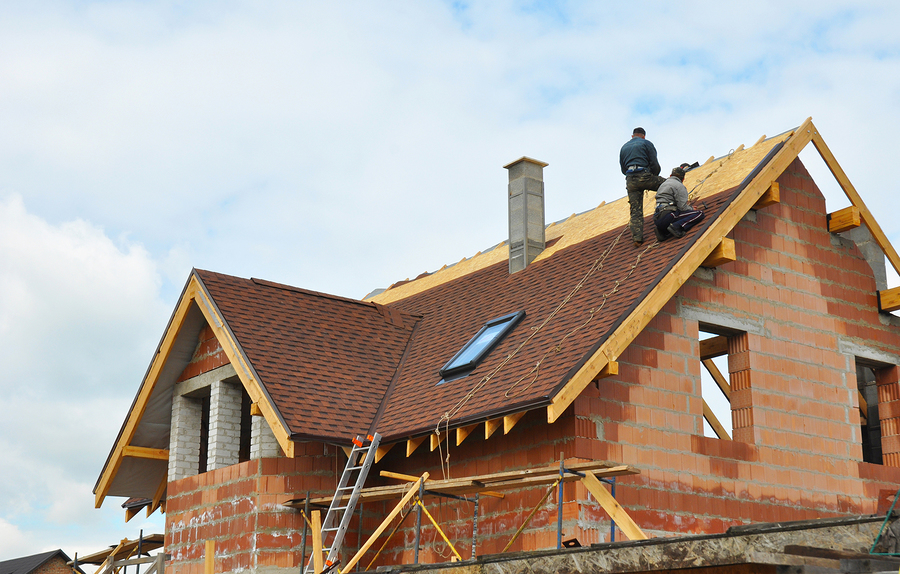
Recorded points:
638,152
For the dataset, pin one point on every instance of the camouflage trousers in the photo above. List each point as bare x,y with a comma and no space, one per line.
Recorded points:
636,185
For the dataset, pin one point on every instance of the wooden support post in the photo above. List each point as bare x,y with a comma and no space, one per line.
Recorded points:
316,526
723,253
889,300
769,197
613,508
844,219
209,560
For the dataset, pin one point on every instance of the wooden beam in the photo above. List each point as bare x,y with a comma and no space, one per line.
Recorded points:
864,213
255,411
770,197
491,426
383,450
348,450
761,139
143,452
463,432
509,421
723,253
131,513
625,523
398,476
648,307
889,300
713,347
316,524
717,427
610,369
413,443
718,377
843,219
413,490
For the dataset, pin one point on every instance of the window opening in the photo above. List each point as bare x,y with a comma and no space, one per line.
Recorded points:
246,426
204,433
869,421
715,386
479,346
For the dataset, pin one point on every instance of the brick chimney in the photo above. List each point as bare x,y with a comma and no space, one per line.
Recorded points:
526,211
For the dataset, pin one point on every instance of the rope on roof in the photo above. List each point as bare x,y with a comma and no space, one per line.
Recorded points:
597,265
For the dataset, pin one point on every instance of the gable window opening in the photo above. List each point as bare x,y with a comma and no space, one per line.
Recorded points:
715,386
479,347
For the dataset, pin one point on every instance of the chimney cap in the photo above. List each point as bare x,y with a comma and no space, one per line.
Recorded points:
528,159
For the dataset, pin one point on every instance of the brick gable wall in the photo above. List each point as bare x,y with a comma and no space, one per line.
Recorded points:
55,565
797,455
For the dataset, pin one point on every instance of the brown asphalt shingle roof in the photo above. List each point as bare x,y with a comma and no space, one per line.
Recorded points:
325,361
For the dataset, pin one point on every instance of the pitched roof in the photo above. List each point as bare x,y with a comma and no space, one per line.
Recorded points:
304,356
28,564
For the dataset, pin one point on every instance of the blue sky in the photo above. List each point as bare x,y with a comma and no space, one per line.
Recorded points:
341,147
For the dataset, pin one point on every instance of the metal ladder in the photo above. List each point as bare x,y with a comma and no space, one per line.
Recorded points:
362,455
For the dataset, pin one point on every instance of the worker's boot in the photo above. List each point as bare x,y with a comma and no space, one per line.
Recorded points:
660,235
676,233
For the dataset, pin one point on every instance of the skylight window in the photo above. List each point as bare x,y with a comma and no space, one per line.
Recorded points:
478,347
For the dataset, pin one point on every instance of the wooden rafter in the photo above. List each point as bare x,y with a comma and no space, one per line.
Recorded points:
723,253
463,432
770,197
383,450
864,213
889,300
491,426
647,308
713,421
718,377
510,421
413,443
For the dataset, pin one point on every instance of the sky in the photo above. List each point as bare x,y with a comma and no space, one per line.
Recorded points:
340,147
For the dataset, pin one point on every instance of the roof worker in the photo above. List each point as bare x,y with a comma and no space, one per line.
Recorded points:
673,215
637,159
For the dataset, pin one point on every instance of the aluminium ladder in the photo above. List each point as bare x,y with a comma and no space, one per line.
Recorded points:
362,455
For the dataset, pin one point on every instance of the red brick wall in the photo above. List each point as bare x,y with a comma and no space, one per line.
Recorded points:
797,454
207,356
55,565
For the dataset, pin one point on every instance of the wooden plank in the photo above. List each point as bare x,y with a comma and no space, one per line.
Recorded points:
398,476
383,526
713,421
843,219
625,523
770,197
889,300
413,443
863,405
318,558
143,452
383,450
723,253
509,421
131,513
463,432
209,558
864,213
491,426
647,309
713,347
718,377
481,483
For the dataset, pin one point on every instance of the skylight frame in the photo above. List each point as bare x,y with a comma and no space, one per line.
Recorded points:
453,369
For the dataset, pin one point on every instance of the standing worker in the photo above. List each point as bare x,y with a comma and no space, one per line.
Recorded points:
641,169
674,215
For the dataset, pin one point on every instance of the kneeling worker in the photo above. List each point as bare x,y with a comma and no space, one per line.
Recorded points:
673,215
